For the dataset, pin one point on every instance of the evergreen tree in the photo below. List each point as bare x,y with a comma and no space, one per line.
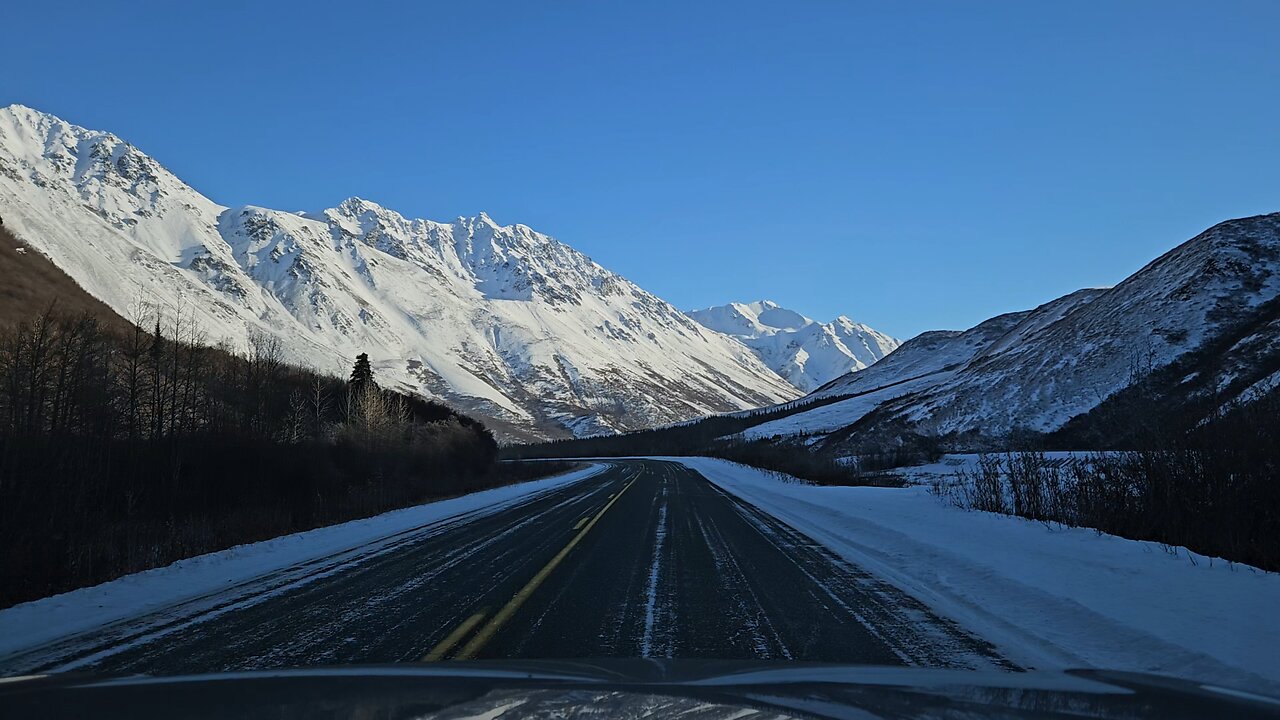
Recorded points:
362,373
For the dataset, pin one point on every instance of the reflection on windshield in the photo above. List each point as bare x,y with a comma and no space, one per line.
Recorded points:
807,339
599,704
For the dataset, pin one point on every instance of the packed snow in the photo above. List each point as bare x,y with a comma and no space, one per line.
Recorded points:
1048,597
499,319
243,570
807,353
651,588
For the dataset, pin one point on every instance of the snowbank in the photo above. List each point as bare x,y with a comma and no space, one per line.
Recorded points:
244,568
1047,597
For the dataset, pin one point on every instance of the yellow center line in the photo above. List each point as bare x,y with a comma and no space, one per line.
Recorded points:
486,633
581,522
452,639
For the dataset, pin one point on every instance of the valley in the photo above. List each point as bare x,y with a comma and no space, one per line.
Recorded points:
740,482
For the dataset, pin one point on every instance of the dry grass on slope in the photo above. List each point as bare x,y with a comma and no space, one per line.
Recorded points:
30,282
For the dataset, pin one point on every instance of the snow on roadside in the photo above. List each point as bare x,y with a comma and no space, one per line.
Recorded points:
1046,597
42,621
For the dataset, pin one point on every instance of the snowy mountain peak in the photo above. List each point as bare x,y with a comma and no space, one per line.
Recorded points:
807,353
775,317
502,320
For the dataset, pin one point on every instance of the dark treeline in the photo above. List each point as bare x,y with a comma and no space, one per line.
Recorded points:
714,436
1213,489
696,437
813,467
122,450
711,437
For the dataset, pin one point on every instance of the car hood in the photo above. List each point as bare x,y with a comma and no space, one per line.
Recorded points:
627,688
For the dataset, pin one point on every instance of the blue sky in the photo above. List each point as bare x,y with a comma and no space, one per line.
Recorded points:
913,165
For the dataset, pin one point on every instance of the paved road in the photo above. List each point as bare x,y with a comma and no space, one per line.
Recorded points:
646,559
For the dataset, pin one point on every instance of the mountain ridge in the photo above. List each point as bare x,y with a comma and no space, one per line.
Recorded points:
1036,371
805,352
499,319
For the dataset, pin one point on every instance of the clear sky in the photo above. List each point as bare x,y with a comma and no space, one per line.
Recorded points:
913,165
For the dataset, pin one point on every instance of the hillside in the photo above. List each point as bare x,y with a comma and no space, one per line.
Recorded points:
1030,373
32,283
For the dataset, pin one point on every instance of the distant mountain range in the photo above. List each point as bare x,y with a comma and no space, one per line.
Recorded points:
500,320
807,353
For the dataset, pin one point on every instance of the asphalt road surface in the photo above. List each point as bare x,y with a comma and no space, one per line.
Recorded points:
647,559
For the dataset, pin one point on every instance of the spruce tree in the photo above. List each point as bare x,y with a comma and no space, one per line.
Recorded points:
362,373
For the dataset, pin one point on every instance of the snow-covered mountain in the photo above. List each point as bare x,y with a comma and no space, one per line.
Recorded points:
501,320
807,353
1216,297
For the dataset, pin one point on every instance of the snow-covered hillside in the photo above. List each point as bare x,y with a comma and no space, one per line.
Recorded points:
501,320
1035,370
807,353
